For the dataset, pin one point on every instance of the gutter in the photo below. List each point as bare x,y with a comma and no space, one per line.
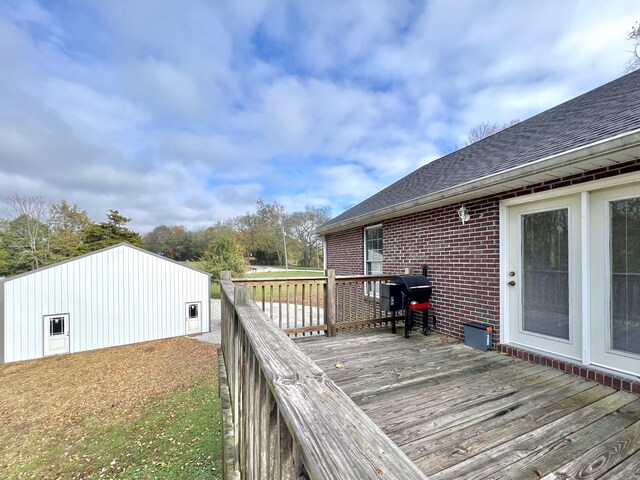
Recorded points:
573,157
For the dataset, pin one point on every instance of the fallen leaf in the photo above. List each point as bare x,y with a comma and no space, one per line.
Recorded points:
539,473
339,365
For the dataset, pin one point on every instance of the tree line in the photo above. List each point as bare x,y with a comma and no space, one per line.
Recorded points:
261,237
35,232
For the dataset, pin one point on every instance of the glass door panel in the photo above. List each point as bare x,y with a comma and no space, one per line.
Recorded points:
545,273
625,275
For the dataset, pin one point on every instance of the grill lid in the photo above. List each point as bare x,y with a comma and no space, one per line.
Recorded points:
416,287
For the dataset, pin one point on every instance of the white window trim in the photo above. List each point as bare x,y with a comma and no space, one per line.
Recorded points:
364,245
364,253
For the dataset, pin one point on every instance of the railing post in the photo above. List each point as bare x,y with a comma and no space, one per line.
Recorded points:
225,275
240,295
330,303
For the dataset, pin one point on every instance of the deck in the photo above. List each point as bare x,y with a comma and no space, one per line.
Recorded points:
459,413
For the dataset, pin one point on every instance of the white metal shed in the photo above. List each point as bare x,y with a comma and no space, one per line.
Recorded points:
114,296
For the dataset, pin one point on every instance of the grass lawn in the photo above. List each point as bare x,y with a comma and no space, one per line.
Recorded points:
215,286
141,411
289,274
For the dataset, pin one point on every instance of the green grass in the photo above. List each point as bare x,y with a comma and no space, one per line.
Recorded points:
176,436
289,274
215,286
295,267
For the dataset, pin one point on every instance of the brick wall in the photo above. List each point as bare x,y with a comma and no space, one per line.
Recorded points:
463,260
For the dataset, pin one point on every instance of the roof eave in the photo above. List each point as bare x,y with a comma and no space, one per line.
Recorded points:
614,150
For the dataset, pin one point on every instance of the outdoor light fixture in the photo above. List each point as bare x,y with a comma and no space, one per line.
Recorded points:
463,213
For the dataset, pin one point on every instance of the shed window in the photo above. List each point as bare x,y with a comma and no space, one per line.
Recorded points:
56,326
193,311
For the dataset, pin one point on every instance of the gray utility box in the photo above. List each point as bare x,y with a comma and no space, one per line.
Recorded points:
391,297
478,336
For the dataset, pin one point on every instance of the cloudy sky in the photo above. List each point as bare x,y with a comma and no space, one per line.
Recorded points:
187,112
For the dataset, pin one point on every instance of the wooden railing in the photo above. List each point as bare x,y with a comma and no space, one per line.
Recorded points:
285,418
319,305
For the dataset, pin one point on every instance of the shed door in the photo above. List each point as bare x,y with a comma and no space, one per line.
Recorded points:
56,334
544,276
193,318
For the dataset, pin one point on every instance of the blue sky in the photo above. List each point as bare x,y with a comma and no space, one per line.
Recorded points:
188,112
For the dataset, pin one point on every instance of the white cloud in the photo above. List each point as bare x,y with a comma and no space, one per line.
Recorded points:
187,113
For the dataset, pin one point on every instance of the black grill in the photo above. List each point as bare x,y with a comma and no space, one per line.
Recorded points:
410,293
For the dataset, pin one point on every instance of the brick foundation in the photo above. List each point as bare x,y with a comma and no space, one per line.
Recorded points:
605,378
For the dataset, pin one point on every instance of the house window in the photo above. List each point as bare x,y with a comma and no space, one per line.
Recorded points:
373,256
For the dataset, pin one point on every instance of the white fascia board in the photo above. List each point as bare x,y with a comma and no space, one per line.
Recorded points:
505,180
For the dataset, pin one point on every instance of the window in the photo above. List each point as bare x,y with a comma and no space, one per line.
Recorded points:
193,311
56,326
373,256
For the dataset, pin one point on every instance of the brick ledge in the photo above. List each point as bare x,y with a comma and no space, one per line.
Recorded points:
590,373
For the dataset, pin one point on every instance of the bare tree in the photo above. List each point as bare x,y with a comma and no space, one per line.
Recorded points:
31,217
477,133
486,129
303,225
634,36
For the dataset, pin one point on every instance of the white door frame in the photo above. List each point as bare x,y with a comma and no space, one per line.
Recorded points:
603,354
571,347
188,320
584,190
62,338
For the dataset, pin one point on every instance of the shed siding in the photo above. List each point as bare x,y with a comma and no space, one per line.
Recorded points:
464,260
118,296
2,360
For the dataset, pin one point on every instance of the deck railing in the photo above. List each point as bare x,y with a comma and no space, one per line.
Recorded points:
285,419
319,305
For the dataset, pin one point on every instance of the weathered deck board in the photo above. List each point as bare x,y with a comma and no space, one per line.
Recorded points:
462,413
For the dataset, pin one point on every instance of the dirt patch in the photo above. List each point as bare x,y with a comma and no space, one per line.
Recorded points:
52,399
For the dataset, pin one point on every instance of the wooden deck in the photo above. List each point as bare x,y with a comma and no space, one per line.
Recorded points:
459,413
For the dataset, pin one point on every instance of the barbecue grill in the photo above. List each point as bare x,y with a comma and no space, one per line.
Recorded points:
410,293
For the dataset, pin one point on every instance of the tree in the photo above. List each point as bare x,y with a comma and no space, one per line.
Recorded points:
302,226
477,133
486,129
100,235
634,36
66,223
224,253
176,242
262,232
19,254
26,236
157,240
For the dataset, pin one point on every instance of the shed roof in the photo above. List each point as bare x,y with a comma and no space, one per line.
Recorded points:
96,252
604,113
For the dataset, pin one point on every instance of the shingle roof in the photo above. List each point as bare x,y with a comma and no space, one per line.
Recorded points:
605,112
